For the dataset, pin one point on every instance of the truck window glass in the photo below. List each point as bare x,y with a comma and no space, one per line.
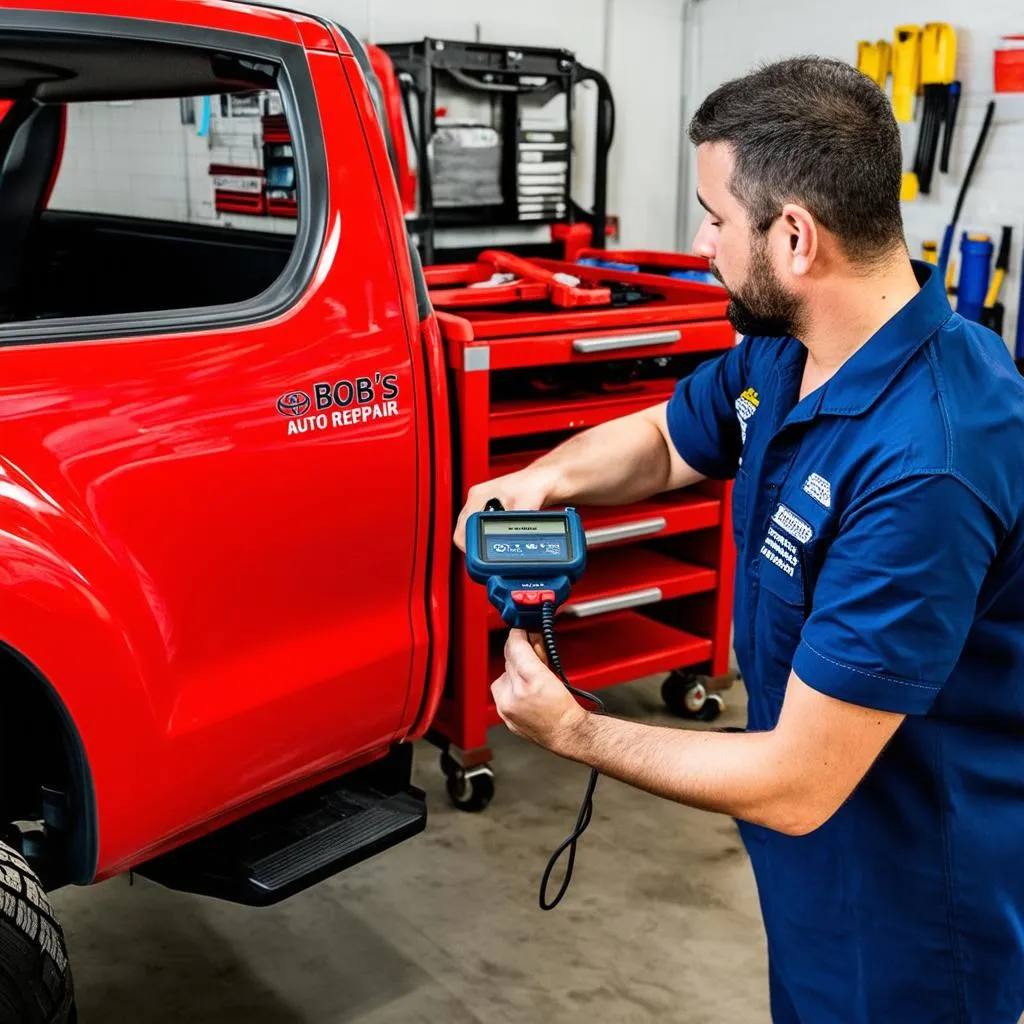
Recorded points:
170,183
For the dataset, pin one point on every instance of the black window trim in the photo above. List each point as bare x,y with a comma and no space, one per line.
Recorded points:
299,100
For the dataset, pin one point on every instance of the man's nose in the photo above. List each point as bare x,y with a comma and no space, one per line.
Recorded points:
704,240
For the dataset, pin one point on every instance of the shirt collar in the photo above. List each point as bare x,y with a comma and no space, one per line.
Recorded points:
863,378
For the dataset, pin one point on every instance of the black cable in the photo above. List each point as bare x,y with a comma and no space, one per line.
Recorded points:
587,807
982,135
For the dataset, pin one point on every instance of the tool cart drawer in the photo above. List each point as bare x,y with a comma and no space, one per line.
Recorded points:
613,649
526,374
626,578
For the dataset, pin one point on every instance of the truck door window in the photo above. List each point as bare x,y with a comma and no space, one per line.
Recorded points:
179,181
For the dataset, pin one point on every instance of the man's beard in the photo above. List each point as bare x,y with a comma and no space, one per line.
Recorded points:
762,307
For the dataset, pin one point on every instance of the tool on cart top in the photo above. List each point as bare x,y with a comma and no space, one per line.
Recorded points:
502,295
500,277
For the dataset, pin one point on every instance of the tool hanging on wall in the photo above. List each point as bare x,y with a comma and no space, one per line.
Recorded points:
906,70
875,60
993,312
941,99
947,238
906,74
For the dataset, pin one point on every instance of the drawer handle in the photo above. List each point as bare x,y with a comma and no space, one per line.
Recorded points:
601,605
587,346
638,528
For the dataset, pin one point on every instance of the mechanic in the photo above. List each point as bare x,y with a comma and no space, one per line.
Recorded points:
876,441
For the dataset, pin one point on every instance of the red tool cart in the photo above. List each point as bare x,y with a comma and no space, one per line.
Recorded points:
538,350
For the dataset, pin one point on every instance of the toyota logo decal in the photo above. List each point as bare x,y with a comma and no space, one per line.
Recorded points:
295,403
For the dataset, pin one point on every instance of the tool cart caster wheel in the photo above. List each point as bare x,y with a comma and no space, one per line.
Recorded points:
469,789
686,695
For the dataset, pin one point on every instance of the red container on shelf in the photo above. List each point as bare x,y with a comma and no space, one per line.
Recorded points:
1008,67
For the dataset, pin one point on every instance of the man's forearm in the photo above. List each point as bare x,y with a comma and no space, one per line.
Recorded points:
615,463
741,775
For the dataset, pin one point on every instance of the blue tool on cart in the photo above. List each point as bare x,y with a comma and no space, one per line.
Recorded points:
529,561
698,276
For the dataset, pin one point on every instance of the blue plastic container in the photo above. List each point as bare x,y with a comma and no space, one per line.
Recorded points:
975,270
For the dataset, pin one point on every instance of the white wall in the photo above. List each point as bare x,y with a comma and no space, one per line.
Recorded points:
137,159
637,44
731,36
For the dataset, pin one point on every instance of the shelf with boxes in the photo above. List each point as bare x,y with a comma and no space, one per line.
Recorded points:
527,372
252,157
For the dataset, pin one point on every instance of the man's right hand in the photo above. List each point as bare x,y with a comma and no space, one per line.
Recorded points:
529,489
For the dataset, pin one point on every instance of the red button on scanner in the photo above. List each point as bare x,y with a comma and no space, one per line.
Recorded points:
532,596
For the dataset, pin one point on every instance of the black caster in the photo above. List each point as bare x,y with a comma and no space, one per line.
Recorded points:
686,695
469,789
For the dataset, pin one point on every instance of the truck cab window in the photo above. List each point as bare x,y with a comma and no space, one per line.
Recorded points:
160,184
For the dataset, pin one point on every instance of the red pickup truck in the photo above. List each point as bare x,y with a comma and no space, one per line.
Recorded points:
226,463
210,626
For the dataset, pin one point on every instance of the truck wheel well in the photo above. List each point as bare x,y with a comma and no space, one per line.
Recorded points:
44,774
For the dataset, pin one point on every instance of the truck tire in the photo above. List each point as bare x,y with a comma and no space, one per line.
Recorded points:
35,977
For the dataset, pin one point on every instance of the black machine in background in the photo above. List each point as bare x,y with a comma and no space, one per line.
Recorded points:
520,175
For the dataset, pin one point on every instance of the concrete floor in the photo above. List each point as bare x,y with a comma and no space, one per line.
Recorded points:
661,922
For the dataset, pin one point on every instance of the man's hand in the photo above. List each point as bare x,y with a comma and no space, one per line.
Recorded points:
531,699
528,490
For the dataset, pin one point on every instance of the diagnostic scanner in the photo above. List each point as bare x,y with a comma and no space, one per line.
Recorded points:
526,560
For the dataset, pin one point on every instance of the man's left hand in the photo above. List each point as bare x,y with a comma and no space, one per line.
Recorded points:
531,699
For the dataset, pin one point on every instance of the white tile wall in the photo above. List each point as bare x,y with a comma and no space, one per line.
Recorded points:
127,159
731,36
140,160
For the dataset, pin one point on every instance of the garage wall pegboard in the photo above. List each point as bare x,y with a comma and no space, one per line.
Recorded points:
728,37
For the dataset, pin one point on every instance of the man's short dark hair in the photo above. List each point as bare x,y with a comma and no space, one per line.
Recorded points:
817,132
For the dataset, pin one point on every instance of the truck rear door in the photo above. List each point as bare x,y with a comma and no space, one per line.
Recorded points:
208,366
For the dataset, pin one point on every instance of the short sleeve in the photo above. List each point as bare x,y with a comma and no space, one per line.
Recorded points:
702,420
897,594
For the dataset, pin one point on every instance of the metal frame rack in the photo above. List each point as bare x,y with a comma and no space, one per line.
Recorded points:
509,76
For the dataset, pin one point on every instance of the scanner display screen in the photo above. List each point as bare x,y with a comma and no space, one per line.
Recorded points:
526,540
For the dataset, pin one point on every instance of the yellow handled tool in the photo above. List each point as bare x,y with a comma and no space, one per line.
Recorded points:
1002,265
938,53
906,70
941,95
875,60
930,252
993,312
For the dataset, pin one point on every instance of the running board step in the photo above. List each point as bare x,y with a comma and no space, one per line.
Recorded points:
291,846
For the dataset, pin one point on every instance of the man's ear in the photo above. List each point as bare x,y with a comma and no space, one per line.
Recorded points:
801,233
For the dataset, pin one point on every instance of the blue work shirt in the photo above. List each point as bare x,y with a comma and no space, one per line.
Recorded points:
879,526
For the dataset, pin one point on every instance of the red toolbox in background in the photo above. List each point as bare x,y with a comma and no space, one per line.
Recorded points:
534,357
